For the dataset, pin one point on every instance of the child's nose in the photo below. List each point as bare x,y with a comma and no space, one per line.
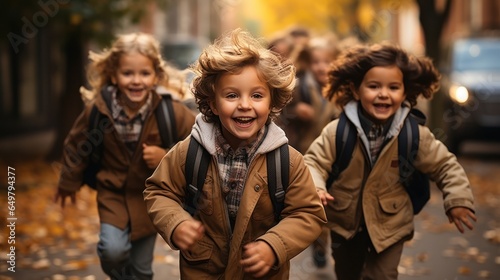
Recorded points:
384,92
244,103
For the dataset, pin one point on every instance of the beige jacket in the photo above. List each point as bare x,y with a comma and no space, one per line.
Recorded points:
375,191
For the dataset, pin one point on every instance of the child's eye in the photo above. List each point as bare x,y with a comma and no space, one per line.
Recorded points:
231,95
257,95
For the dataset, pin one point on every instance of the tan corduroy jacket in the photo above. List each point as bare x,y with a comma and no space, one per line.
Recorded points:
374,192
218,254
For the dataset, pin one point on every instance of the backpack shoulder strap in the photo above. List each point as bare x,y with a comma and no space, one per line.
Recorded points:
345,140
408,142
278,169
166,121
197,161
415,182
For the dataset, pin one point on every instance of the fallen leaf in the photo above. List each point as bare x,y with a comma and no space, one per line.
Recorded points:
464,270
484,274
41,264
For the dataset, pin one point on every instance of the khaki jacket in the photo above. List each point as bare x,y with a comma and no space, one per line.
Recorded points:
120,180
218,254
374,192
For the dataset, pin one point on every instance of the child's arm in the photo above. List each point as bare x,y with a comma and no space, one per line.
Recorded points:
302,216
257,258
320,157
164,196
152,155
461,215
433,158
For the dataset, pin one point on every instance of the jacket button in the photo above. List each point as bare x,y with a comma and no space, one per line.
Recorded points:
257,188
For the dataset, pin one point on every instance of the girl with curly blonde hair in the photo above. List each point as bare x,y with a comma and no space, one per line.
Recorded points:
124,81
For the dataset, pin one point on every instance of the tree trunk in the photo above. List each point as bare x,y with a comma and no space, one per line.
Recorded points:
70,103
432,22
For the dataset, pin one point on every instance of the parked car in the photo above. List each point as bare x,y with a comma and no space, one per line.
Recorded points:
472,81
181,53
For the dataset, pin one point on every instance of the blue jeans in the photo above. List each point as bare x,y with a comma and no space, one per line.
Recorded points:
124,259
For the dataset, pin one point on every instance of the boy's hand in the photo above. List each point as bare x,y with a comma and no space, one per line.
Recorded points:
62,194
187,233
324,196
152,155
258,258
461,215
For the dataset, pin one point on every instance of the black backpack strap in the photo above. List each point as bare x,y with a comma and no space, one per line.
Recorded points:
416,183
197,161
345,140
278,169
166,121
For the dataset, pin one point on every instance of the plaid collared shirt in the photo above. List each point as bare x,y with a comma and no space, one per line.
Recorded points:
233,168
129,129
375,133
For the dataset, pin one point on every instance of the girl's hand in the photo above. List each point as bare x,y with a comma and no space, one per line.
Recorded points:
152,155
258,258
324,196
461,215
187,233
63,194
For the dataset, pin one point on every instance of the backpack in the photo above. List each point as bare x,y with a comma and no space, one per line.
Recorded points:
198,159
415,182
166,125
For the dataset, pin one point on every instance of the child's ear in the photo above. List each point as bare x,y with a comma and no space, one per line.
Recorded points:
354,91
213,107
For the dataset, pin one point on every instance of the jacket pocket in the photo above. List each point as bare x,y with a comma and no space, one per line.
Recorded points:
201,252
392,203
205,202
200,260
394,211
264,209
341,201
342,210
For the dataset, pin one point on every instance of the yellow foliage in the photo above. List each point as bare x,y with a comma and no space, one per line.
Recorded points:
340,16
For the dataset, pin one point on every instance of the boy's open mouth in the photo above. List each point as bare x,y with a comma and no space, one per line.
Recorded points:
243,120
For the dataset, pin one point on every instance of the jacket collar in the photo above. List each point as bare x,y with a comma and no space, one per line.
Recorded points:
204,133
351,111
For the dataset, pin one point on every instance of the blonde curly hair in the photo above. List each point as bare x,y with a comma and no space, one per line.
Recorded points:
104,65
229,54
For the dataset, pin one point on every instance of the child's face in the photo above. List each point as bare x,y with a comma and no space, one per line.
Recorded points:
320,63
381,92
135,77
243,104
